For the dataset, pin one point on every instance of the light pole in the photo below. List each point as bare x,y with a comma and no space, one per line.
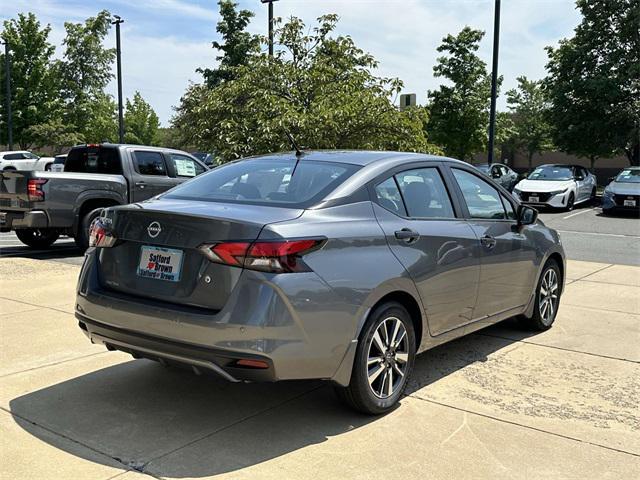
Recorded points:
7,72
117,23
494,81
270,2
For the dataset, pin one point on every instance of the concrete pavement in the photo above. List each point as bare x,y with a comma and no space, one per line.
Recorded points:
502,403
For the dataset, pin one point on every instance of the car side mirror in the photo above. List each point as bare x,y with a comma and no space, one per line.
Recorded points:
611,179
495,175
579,178
527,215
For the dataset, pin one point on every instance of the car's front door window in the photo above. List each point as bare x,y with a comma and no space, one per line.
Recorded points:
483,201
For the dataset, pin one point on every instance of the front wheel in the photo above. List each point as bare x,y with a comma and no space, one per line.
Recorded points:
570,202
82,235
37,237
384,359
547,298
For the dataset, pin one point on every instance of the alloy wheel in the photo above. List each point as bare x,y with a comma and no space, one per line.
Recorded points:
387,357
548,296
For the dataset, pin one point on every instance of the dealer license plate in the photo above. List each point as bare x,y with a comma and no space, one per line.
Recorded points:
160,263
629,203
534,199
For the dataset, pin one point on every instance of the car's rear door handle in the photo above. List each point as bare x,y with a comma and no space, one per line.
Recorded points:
141,184
407,235
488,241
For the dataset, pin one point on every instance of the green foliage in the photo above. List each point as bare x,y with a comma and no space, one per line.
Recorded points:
459,111
140,121
55,134
35,90
85,72
319,88
530,108
101,120
238,44
593,82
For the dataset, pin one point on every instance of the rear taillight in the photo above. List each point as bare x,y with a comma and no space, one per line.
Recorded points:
34,189
100,236
282,256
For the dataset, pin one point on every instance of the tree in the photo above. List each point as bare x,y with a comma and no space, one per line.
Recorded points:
101,122
35,91
54,133
529,107
85,72
140,121
593,82
319,88
459,112
238,44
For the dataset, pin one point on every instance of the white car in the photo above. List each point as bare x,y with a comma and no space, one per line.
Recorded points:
558,186
24,160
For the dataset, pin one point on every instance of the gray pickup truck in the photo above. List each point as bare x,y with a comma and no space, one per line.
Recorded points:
41,206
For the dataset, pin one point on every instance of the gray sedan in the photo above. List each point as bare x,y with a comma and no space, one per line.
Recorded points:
335,265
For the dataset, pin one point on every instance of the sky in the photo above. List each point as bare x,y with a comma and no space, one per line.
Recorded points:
165,41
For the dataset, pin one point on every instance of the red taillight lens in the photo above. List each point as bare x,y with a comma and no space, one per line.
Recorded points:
100,236
34,189
277,256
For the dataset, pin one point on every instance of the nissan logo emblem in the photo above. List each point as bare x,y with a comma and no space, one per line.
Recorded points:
154,229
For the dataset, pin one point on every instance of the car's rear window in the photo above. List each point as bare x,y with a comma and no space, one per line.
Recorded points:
277,182
98,159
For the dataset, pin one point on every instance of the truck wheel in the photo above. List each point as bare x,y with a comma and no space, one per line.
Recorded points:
37,237
82,235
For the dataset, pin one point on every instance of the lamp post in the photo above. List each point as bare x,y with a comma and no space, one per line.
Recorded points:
494,81
117,23
7,72
270,2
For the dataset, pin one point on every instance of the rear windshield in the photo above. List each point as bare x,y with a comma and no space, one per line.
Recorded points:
98,159
276,182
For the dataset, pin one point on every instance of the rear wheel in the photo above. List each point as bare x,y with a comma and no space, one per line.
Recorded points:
547,298
37,237
82,235
384,359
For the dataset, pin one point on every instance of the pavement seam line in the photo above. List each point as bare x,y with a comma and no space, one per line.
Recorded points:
594,272
226,427
36,305
61,435
557,348
609,283
601,309
53,364
510,422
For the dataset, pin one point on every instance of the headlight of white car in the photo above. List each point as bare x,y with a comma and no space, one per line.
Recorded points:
517,191
558,192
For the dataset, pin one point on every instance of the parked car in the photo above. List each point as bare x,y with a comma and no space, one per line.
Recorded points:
500,174
58,163
558,186
40,206
209,159
330,265
23,160
623,192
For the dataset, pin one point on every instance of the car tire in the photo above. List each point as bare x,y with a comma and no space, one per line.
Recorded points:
37,237
547,292
570,202
394,363
82,235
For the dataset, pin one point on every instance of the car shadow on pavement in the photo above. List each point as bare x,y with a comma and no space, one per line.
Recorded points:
170,422
54,252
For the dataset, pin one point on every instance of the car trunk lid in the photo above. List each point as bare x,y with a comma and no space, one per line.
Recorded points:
156,255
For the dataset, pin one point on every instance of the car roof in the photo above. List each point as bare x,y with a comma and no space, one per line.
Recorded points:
354,157
566,165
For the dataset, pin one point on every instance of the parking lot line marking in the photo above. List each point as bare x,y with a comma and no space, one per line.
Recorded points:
578,213
600,234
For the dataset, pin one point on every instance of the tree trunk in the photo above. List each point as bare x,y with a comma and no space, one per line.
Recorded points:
593,159
530,159
633,155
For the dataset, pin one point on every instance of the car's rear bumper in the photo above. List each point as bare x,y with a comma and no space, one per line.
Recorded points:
295,323
12,220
